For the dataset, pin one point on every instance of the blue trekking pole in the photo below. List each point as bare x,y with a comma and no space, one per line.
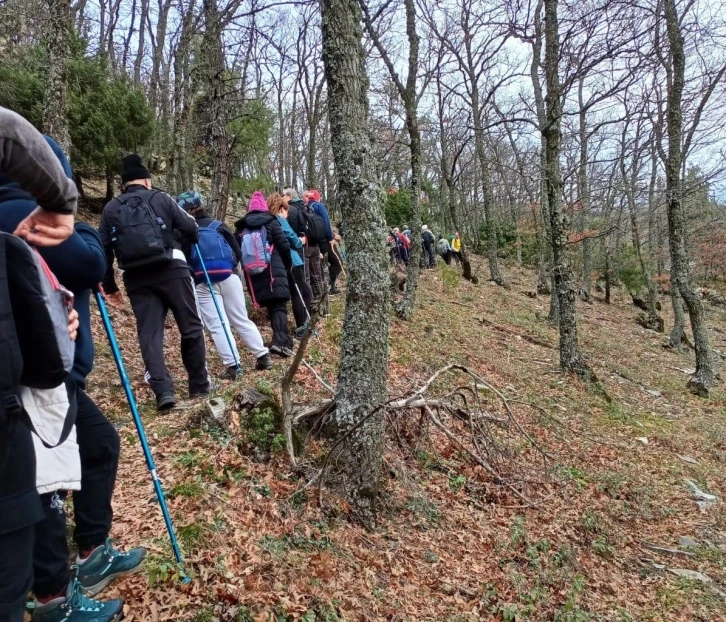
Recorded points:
216,306
140,430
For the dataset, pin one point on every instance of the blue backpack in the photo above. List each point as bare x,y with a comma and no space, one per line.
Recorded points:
219,258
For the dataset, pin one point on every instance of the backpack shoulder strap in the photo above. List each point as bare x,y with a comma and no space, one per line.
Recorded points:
214,225
12,367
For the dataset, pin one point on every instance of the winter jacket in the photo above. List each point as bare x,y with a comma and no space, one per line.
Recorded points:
456,244
296,245
27,159
182,226
427,238
272,285
443,246
322,211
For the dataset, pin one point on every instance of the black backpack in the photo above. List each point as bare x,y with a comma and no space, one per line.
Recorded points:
35,348
139,236
314,226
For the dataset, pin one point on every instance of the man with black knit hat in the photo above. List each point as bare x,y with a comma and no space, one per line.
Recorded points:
144,229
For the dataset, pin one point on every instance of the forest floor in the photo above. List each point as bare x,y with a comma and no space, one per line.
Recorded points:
450,545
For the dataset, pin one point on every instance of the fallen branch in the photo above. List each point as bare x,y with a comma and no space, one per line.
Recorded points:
509,331
287,410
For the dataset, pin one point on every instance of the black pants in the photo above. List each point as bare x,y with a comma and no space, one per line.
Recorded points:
302,301
334,268
277,310
447,257
457,257
314,271
16,572
99,447
429,256
150,305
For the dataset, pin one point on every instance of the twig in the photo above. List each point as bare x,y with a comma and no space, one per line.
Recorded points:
320,380
509,331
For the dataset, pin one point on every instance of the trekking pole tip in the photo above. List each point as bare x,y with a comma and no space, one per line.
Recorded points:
186,580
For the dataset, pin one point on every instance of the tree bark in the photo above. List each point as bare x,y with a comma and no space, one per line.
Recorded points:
55,97
220,143
701,381
142,40
584,191
363,366
570,357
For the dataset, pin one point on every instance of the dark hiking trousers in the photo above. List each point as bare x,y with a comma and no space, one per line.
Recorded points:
302,296
277,310
334,267
315,271
99,447
16,572
150,305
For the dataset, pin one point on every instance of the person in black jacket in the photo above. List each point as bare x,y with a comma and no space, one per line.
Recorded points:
230,298
157,282
79,263
270,288
26,158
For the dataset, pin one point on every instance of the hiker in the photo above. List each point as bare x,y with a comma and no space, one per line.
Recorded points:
402,245
301,223
79,263
428,241
456,248
144,228
266,260
221,255
302,297
407,232
328,246
50,201
444,249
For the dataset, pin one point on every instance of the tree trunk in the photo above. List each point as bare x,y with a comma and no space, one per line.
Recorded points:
55,100
701,381
109,185
142,35
584,191
363,366
570,357
607,274
215,73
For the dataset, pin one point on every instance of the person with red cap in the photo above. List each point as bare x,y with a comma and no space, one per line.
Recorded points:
312,200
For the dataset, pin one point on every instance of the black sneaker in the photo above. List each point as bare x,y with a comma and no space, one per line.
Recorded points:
334,291
281,351
165,400
230,373
198,394
264,363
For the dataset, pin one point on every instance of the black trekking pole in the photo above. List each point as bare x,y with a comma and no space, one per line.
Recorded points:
140,430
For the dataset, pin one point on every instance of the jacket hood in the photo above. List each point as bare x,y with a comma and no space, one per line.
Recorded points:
6,182
254,220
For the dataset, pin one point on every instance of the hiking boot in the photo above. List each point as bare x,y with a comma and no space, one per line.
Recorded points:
75,607
264,363
230,373
105,564
300,331
165,400
198,394
334,291
281,351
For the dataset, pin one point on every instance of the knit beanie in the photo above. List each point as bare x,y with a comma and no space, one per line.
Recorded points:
258,203
133,169
314,195
189,200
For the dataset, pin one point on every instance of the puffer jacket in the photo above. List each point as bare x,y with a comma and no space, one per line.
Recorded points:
272,285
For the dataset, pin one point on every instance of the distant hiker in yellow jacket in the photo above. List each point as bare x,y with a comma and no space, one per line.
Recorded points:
456,248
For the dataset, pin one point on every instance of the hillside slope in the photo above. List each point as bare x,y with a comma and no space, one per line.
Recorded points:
451,544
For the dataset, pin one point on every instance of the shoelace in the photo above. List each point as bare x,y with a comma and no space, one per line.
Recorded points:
78,601
112,552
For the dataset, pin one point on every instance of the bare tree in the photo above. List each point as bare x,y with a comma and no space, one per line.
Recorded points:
701,381
55,99
410,96
364,349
